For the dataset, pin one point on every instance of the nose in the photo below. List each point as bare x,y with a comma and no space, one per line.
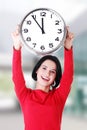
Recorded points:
47,73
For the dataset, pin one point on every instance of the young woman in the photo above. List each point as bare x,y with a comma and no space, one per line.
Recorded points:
42,107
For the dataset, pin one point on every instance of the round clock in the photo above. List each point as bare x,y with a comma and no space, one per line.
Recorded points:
43,30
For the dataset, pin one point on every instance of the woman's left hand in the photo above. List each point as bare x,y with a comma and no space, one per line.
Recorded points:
69,39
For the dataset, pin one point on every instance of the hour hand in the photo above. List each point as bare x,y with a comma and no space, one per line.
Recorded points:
40,26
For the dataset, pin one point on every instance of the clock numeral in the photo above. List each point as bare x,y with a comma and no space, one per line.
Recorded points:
59,31
51,45
29,22
42,47
34,44
34,16
43,14
57,39
57,22
25,30
28,39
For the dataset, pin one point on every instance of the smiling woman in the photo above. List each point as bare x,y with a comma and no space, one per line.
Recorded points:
42,107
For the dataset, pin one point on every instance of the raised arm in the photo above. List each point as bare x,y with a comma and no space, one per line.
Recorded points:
17,73
67,77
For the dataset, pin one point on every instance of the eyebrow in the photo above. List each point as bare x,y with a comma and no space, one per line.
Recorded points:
50,69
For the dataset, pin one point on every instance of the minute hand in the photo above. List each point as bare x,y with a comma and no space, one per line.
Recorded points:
41,27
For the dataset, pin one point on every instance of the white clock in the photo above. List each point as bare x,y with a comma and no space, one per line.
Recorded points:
43,30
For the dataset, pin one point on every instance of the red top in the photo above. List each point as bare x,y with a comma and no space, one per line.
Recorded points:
41,110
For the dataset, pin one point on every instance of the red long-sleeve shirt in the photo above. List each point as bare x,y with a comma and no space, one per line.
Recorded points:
41,110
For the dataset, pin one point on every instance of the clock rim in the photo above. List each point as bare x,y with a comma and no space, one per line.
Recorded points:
46,52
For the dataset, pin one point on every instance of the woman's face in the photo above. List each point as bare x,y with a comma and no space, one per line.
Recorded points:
46,73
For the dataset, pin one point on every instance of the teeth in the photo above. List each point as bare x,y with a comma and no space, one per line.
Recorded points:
45,78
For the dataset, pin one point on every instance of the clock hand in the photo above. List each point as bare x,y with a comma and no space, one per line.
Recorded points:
42,28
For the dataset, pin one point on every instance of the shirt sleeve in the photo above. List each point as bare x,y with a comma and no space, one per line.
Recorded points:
17,76
67,77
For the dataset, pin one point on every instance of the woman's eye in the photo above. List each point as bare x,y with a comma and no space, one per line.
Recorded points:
53,72
44,68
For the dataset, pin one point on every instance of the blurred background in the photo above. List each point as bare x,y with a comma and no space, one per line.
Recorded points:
74,13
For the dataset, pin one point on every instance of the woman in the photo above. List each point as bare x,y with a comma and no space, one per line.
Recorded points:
42,107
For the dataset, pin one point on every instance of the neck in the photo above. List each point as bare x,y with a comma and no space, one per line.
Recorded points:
43,88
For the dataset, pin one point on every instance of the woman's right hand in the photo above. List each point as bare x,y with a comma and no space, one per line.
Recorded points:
16,38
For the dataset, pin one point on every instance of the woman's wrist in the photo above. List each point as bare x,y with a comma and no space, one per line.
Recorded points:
17,47
68,48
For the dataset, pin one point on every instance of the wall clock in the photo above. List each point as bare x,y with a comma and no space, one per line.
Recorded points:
43,31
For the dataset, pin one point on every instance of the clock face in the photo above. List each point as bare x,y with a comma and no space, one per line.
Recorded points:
43,30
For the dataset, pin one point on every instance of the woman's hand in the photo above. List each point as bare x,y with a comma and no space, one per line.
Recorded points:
69,39
16,39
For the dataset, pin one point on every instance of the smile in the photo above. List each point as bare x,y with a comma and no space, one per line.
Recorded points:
45,78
